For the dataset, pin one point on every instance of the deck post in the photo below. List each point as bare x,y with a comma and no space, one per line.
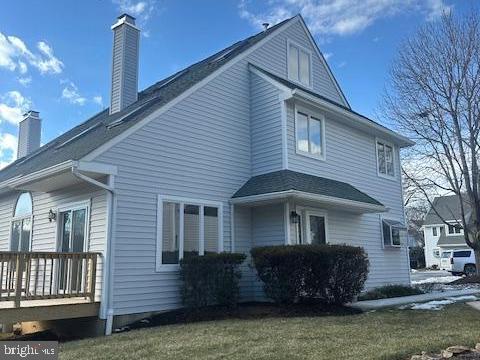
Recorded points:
18,283
93,279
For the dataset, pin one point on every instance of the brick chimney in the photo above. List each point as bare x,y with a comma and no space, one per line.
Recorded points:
29,132
126,39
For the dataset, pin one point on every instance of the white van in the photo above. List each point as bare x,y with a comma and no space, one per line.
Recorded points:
463,262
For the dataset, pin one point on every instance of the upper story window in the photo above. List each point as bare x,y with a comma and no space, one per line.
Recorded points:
310,134
434,231
187,227
385,159
299,64
21,230
454,229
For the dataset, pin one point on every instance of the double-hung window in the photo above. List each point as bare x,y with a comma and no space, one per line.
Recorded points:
455,229
385,159
310,133
299,64
187,227
21,231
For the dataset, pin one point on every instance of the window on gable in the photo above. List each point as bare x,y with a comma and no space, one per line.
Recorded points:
434,231
385,159
299,64
310,134
187,228
22,223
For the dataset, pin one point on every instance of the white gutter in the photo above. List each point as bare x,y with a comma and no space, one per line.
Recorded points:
106,308
330,200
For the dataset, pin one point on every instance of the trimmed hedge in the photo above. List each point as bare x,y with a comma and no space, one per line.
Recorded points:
390,291
334,274
211,279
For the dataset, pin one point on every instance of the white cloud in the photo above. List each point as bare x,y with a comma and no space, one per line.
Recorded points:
12,107
342,64
327,55
335,17
8,149
141,10
98,100
71,94
25,81
15,55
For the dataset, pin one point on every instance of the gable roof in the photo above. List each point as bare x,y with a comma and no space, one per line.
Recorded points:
102,127
451,240
448,207
294,86
285,180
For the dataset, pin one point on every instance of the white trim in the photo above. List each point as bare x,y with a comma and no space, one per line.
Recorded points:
454,222
283,117
310,69
159,267
96,167
329,200
286,219
324,62
317,116
394,159
232,228
112,142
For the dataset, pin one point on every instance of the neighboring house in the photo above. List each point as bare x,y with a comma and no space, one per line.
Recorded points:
255,145
439,236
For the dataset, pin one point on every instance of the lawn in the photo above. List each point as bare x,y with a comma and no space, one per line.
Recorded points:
386,334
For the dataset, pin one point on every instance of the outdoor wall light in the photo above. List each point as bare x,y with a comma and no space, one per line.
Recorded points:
294,217
52,215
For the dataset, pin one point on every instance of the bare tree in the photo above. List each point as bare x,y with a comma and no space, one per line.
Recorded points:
435,99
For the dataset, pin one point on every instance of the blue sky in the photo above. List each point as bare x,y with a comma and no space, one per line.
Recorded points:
55,56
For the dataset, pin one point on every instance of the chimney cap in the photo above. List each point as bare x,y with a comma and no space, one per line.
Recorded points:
125,19
126,15
31,113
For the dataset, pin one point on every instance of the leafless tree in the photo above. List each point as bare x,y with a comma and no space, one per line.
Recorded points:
435,99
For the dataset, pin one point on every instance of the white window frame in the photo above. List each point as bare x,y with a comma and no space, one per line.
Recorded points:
394,159
391,245
182,201
305,213
317,116
307,51
17,218
447,232
86,204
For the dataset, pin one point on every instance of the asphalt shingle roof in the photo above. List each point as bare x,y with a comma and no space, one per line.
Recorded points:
447,206
284,180
86,137
451,240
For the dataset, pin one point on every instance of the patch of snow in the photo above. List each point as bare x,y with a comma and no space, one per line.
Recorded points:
436,280
436,305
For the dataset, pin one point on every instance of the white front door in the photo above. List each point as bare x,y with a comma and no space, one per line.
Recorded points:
316,227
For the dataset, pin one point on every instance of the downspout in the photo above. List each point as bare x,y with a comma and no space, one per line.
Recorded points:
106,309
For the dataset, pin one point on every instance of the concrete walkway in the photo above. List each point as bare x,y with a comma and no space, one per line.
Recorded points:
392,302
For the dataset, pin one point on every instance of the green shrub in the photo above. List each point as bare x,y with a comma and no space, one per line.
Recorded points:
211,279
390,291
334,274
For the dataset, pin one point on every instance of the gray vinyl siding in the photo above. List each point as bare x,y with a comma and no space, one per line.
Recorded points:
243,244
351,157
44,232
266,129
200,148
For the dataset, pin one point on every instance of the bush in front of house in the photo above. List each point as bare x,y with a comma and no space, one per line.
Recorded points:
390,291
334,274
211,279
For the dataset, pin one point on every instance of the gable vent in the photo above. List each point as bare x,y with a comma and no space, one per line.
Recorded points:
126,39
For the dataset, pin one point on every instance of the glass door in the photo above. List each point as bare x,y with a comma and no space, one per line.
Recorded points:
72,239
316,228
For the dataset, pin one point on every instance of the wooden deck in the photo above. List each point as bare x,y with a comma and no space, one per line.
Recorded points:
37,286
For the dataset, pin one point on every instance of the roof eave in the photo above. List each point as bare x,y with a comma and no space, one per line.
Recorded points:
400,140
345,204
